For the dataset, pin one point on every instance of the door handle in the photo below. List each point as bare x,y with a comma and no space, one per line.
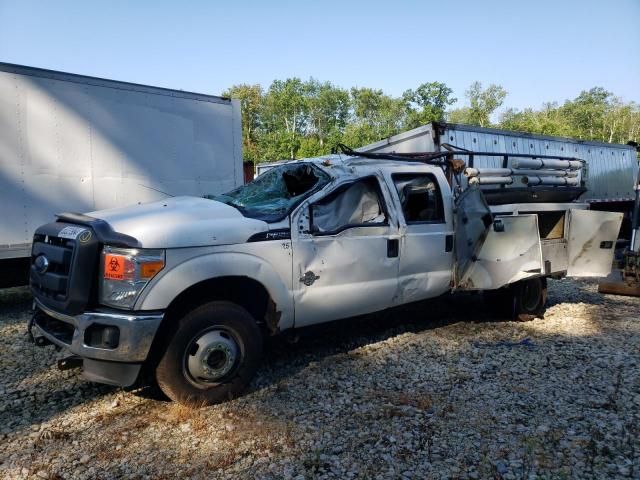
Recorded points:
393,247
448,243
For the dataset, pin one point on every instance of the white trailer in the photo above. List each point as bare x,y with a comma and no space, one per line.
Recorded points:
72,143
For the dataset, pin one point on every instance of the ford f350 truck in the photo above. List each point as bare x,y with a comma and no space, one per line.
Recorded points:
186,288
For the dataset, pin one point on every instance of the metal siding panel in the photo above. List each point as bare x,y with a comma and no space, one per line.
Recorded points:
13,230
502,146
610,175
58,138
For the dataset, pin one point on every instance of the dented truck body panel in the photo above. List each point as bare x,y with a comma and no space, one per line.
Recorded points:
268,263
509,254
331,278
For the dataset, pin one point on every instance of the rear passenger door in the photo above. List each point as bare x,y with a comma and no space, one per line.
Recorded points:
426,231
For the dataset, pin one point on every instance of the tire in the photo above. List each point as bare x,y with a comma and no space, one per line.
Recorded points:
212,357
521,301
530,299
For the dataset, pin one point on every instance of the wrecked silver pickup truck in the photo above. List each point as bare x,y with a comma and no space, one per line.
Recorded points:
185,289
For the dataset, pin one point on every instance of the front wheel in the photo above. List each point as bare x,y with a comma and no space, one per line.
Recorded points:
213,355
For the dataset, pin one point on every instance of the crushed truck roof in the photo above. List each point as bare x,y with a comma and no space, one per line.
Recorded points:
338,166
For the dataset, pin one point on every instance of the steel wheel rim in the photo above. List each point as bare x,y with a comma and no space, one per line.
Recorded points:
212,357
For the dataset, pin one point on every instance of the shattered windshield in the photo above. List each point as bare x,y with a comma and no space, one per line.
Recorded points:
272,195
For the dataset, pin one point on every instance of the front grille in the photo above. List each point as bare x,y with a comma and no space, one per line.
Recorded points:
66,281
54,282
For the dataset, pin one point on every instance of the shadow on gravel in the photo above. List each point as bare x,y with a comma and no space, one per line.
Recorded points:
14,302
32,389
286,355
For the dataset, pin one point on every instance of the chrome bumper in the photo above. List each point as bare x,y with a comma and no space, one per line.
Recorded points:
137,331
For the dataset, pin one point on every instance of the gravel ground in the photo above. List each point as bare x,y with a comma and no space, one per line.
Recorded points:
435,390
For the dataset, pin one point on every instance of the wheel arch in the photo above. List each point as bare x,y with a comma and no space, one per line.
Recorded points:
215,270
240,290
243,279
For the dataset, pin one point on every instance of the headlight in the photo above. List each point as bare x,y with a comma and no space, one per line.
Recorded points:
125,272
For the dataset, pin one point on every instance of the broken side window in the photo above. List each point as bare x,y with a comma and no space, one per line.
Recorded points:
358,204
420,197
272,195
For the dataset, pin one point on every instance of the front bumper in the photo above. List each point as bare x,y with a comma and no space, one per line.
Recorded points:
117,365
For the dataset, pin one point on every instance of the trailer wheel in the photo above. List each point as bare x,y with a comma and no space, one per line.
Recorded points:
213,355
530,298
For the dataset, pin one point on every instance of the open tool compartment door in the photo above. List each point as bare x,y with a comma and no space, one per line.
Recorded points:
591,242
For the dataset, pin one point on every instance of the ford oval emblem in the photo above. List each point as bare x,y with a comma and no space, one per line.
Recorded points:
41,263
85,236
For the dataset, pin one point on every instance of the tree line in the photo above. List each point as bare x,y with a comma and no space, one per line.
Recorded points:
296,119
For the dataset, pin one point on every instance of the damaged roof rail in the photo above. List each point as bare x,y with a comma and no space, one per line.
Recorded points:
457,166
432,157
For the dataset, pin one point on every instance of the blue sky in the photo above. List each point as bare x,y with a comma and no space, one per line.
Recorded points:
538,50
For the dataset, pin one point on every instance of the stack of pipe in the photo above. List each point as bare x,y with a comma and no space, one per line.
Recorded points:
532,172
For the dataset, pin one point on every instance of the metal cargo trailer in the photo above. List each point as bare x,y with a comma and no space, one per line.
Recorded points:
608,175
75,143
609,172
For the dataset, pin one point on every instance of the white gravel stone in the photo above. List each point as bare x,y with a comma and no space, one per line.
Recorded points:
436,390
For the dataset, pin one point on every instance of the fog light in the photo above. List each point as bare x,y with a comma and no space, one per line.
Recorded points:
102,336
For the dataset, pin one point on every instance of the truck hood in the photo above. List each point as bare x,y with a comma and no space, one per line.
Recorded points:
182,222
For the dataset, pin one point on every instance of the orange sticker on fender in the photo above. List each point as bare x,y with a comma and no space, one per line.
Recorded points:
114,267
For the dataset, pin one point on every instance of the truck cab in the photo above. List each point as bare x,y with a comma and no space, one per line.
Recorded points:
186,288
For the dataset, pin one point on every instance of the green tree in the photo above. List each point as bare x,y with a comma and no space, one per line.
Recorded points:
483,102
251,99
296,118
586,113
328,113
284,116
427,103
547,121
459,115
375,116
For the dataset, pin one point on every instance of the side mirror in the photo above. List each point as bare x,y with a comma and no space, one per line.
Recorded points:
498,226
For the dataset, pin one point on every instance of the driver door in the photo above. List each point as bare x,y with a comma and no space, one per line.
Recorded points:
345,254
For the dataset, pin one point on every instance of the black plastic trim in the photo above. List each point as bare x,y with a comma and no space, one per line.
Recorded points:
278,234
498,196
105,233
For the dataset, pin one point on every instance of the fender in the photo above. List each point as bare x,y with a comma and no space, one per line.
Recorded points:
161,292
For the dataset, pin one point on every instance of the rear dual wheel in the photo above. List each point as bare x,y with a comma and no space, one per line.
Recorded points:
213,355
523,300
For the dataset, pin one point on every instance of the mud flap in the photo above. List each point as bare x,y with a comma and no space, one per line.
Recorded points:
592,241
